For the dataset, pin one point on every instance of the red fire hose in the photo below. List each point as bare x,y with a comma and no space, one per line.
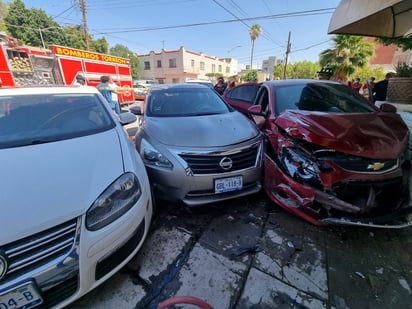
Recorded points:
184,300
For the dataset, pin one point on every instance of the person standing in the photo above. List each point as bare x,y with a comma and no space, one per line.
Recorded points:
220,86
325,73
80,80
356,85
106,92
115,96
367,88
381,88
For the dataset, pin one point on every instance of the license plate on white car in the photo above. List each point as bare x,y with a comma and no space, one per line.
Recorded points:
228,184
22,297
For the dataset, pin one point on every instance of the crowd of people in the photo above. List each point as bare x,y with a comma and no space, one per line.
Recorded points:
371,90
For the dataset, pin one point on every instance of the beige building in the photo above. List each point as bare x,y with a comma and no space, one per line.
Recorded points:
177,66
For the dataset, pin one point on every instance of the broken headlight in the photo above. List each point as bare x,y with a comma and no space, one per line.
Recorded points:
299,165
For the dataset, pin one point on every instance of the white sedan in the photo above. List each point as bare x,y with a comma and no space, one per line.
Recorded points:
74,195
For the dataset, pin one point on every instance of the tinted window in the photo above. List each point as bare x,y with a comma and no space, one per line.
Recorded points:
175,102
34,119
320,97
245,93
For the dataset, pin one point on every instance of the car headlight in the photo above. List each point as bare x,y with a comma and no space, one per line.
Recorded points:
152,156
299,165
116,200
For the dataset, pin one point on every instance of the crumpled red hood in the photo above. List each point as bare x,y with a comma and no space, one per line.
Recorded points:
372,135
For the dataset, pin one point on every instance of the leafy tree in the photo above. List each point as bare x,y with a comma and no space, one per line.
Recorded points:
254,33
32,26
301,69
365,73
404,43
3,12
124,52
100,45
349,53
250,76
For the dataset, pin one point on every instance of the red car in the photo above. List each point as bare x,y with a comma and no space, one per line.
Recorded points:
331,156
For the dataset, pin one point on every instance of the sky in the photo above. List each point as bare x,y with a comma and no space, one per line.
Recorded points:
218,28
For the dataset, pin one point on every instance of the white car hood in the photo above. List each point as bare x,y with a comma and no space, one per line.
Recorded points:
47,184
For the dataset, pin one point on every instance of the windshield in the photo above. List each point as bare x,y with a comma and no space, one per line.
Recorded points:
183,102
42,118
321,97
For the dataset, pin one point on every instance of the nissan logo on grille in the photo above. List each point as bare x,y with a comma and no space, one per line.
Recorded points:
3,266
226,163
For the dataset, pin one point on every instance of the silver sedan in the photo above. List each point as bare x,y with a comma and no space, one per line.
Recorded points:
196,148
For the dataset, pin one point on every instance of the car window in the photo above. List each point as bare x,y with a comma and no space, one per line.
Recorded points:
185,102
245,93
321,97
41,118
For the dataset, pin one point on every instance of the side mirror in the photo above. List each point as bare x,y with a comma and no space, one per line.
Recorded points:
387,108
136,110
126,118
256,110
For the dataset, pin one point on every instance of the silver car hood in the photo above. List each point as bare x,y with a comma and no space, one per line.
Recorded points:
201,131
47,184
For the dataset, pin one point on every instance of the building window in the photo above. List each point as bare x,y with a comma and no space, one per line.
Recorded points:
159,63
147,65
172,63
220,68
227,70
202,66
175,80
193,63
213,68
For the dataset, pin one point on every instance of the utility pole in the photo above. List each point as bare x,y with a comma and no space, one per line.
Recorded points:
86,34
287,57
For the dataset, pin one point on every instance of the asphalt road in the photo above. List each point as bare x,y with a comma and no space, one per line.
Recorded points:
250,253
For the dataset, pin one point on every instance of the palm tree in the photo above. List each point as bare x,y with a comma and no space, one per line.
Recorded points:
254,33
349,53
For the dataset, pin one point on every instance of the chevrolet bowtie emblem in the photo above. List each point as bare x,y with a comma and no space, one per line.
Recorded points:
376,166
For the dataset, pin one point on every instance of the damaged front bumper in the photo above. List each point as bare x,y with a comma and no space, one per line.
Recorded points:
321,208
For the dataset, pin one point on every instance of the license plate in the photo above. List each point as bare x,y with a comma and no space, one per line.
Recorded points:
228,184
22,297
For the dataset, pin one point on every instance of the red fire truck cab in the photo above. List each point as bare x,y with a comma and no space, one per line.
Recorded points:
25,66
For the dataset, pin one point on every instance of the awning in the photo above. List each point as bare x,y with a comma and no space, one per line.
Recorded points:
378,18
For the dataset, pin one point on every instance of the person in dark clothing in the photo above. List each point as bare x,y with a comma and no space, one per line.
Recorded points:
220,87
380,89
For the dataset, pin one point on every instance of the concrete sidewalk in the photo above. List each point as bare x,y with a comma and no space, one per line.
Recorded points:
258,256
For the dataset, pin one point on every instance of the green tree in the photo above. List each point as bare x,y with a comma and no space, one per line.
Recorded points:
124,52
301,69
100,45
3,13
404,43
254,33
32,26
350,52
250,76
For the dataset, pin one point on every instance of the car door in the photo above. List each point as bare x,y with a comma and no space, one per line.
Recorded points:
242,96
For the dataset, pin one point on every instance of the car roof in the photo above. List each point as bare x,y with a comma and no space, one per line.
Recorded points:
287,82
179,86
47,90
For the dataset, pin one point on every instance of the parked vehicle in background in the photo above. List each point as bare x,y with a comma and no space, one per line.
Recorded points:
332,157
196,148
75,196
22,65
242,96
140,92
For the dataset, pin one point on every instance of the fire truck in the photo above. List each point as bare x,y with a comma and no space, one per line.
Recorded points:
58,65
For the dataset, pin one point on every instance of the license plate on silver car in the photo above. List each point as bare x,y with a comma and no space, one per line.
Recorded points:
22,297
228,184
